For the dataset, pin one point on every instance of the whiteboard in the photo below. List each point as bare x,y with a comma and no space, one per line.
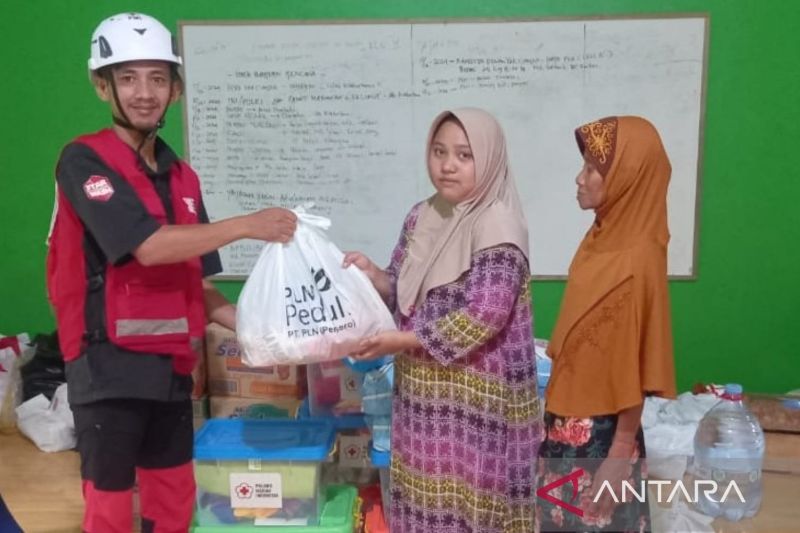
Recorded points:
337,114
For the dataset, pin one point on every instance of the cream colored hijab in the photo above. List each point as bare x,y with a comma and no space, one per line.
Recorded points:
446,235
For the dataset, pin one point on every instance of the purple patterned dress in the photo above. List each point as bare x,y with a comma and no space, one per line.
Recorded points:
466,421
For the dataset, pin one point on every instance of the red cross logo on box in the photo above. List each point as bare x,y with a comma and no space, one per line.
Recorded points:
243,490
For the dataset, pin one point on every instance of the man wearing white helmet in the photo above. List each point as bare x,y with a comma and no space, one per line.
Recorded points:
129,249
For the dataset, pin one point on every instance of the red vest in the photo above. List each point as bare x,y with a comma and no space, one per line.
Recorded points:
150,309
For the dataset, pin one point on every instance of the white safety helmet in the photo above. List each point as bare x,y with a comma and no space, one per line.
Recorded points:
131,37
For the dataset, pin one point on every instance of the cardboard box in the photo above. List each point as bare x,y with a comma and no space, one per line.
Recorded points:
229,376
354,449
199,376
252,408
199,412
333,389
782,452
351,464
775,412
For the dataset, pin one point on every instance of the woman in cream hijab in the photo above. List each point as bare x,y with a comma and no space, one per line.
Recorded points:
612,343
466,419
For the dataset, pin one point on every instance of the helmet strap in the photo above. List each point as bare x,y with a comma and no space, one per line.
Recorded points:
123,120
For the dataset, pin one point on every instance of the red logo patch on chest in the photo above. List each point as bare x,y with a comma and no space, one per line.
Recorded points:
98,188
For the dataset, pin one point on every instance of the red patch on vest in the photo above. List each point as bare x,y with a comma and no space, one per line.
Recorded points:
98,188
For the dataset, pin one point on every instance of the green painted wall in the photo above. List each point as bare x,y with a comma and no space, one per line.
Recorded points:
739,321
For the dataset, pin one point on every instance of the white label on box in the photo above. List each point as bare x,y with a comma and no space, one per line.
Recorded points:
256,491
349,386
254,464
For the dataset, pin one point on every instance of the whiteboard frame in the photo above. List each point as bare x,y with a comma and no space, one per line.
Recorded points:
478,20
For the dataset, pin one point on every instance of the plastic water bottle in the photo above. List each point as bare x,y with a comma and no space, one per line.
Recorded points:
729,449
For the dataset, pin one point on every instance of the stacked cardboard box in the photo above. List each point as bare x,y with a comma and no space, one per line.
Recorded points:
199,390
199,411
775,412
237,390
334,391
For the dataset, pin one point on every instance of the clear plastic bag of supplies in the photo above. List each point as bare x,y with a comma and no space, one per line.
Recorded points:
300,306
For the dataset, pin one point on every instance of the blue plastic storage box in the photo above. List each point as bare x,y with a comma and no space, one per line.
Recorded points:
260,472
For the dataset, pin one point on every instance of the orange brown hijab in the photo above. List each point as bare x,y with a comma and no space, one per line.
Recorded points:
446,235
612,342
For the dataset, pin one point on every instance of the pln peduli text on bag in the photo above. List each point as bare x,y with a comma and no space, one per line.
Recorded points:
299,305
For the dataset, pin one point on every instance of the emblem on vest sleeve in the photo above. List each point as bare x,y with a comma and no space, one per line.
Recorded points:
190,205
98,188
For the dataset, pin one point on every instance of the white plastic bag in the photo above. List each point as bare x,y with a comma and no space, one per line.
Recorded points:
14,352
49,424
300,306
678,518
669,427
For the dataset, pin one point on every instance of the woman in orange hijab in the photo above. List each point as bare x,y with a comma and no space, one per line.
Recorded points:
612,343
